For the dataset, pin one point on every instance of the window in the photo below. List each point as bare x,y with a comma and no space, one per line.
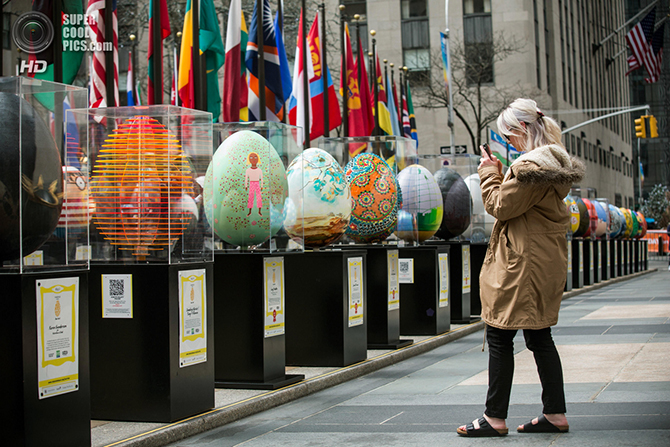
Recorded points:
574,146
579,147
416,39
547,45
478,41
6,27
537,44
617,200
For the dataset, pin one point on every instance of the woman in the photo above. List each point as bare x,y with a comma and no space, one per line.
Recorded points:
524,271
253,180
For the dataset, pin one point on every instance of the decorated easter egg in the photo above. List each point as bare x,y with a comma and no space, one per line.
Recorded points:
642,223
636,224
31,180
318,208
628,223
457,203
482,222
573,210
584,221
421,198
376,198
245,190
603,218
593,218
616,221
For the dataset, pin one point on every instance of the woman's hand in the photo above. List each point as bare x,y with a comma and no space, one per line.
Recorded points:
489,161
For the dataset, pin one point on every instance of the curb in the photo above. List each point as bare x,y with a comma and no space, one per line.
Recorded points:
230,413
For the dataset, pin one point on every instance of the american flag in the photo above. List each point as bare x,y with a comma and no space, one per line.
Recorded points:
657,53
639,40
98,92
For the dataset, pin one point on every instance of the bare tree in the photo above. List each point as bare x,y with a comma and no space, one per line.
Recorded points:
477,99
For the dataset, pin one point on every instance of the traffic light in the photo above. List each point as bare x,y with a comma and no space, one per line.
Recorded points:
640,128
653,127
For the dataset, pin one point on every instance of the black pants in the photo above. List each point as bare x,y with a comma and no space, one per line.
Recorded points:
501,370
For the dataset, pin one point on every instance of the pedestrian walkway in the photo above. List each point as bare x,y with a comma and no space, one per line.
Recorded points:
615,347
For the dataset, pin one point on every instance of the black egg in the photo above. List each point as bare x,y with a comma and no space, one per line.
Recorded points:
457,203
38,188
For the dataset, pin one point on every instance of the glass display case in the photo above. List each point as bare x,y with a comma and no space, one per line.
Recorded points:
464,217
147,187
371,165
253,206
43,177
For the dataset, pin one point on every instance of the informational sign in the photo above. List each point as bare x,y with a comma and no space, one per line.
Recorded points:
83,253
393,280
569,257
117,296
607,253
467,279
57,336
592,254
406,270
273,294
355,275
581,256
443,271
192,317
34,258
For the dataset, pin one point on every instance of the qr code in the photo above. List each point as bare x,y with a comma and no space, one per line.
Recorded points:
116,288
403,267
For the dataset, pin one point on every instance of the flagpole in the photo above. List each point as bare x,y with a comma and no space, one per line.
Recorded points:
324,73
345,86
260,9
370,79
375,81
280,16
198,100
57,41
157,50
305,75
109,55
357,17
401,108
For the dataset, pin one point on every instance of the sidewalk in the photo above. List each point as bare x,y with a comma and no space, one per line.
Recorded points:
614,343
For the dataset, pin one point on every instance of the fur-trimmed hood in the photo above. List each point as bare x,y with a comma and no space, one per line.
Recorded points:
549,164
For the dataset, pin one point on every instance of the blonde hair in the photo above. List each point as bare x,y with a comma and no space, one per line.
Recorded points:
249,158
540,130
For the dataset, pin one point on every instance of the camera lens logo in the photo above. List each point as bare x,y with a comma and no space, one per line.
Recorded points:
33,32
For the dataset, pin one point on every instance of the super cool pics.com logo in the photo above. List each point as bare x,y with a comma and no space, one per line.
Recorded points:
33,33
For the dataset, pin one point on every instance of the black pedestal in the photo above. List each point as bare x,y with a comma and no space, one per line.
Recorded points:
645,255
477,255
620,258
63,419
588,262
460,282
625,257
319,328
577,263
568,279
604,259
613,264
383,305
637,255
597,271
135,362
421,310
245,357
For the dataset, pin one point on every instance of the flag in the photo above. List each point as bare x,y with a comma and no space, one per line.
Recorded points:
412,119
384,116
393,113
138,93
71,60
274,95
165,31
364,87
357,124
406,127
639,40
296,107
286,85
98,94
244,85
502,150
174,97
633,64
316,87
129,81
657,53
211,46
445,60
233,66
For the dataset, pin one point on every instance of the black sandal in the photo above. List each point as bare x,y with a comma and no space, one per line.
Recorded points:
480,428
543,426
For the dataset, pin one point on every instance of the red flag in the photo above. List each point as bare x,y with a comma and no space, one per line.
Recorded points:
165,31
366,96
357,121
316,87
395,100
98,94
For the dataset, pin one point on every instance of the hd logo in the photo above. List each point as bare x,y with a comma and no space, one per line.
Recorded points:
33,66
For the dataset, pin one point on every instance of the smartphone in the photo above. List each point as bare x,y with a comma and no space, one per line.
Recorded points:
487,149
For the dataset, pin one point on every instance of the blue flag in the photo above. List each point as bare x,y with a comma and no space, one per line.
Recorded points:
286,81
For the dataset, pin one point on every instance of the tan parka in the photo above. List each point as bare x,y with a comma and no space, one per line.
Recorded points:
524,272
